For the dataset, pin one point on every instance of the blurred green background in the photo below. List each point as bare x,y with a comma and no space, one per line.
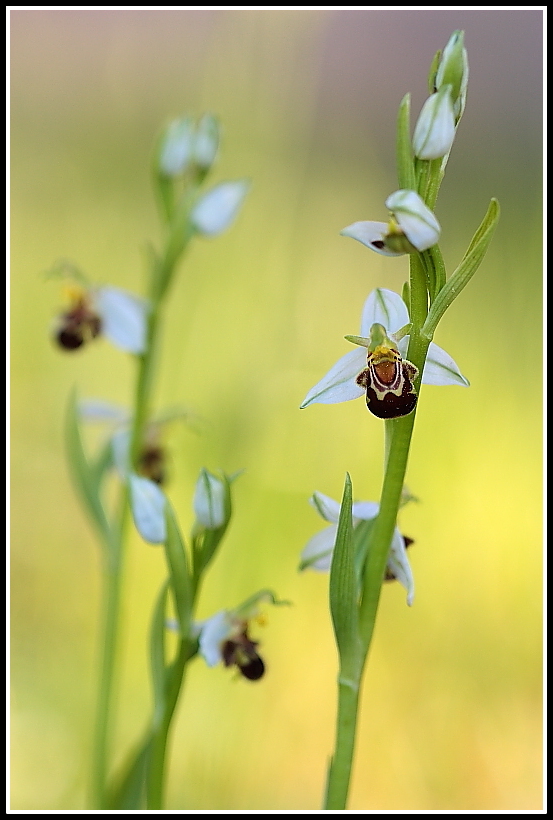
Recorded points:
451,712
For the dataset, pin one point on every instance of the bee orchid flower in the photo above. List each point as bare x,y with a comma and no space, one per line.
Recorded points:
115,313
225,636
345,381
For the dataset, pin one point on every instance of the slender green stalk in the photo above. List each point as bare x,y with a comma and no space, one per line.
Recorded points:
382,532
144,384
397,443
160,731
340,768
162,270
428,295
112,584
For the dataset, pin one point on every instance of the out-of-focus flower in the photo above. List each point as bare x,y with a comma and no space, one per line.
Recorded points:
225,636
112,312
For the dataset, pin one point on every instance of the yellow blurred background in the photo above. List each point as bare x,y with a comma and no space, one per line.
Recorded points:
451,714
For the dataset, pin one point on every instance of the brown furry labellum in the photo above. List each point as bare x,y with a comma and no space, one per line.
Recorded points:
388,381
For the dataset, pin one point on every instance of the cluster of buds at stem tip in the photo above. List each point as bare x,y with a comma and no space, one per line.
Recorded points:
435,129
189,146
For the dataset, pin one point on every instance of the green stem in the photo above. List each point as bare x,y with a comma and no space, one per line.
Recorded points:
397,444
162,725
161,276
144,384
112,583
382,532
340,768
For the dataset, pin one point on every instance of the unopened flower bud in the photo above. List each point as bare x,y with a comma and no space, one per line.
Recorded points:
453,70
209,500
177,145
435,128
206,142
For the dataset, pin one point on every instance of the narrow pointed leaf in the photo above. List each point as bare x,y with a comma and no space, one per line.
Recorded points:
101,464
157,653
180,574
129,790
343,587
86,479
466,270
404,152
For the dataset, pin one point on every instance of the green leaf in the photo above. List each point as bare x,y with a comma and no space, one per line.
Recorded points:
157,653
361,537
86,479
404,151
437,261
433,71
101,464
180,574
343,586
468,266
129,791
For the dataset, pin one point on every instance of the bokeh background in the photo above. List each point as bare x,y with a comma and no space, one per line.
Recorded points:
451,711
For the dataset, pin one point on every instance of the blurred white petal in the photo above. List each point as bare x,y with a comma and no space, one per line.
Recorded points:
176,149
123,317
364,510
215,211
318,550
214,631
98,410
148,509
